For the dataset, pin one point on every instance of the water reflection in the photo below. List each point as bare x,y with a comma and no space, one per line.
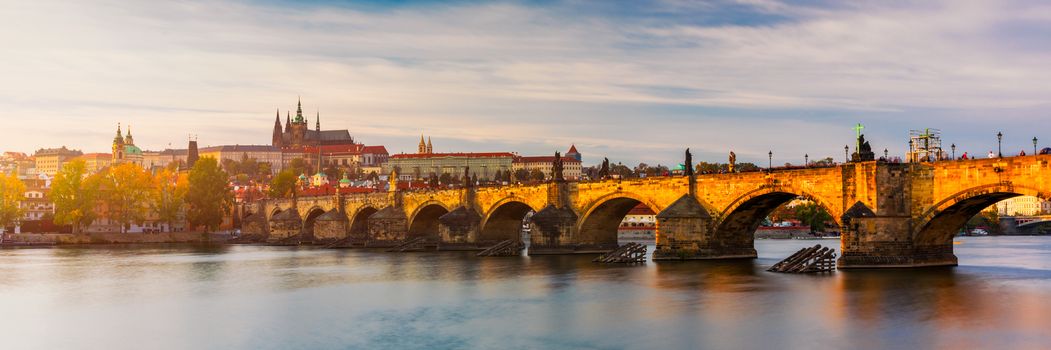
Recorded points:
279,297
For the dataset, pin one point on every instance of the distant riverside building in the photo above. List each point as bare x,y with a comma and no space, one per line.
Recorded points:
1023,206
639,224
426,163
571,170
261,154
93,162
49,160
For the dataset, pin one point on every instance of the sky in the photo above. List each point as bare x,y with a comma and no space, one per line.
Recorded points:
635,81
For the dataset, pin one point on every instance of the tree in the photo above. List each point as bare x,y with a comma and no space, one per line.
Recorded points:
126,193
12,192
284,184
208,197
297,165
812,215
75,194
536,175
169,196
522,175
620,170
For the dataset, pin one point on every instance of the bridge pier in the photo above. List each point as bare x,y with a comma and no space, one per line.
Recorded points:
552,230
459,229
684,232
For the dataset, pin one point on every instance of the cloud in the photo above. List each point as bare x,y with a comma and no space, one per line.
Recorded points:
634,82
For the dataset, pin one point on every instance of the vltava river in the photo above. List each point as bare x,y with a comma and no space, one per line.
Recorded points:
250,297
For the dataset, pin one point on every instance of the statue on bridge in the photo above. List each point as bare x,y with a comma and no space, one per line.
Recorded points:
467,177
556,168
688,167
864,152
603,171
733,162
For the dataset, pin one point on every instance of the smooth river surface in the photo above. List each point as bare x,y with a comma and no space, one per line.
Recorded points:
253,297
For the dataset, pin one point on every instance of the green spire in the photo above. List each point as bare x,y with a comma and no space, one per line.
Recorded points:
299,111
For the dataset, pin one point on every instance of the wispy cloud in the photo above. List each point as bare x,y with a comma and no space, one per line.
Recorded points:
635,82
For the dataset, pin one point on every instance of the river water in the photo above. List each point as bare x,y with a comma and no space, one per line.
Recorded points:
254,297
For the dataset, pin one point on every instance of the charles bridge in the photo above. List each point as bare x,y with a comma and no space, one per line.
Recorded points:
891,214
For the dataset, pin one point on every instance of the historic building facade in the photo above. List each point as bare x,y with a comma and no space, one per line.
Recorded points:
49,160
425,163
572,168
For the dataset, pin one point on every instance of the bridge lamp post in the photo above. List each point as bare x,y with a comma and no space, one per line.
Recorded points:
953,151
846,154
1034,145
806,159
999,142
770,160
886,154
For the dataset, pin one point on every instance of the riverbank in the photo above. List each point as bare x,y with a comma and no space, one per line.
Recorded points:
49,239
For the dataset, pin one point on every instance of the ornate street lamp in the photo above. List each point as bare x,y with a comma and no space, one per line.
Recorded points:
885,154
953,151
1034,145
846,154
999,139
806,159
770,160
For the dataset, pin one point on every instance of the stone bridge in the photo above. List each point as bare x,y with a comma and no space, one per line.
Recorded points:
892,215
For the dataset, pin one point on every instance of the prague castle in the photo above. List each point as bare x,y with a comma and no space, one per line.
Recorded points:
297,134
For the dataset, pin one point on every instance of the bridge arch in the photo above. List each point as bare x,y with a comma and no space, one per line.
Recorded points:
359,221
503,220
308,222
743,216
424,220
273,212
602,219
939,224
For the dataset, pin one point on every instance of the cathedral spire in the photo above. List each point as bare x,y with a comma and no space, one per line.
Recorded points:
276,142
288,120
299,110
128,139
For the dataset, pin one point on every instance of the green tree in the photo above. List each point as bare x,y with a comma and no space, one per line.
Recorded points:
284,184
75,194
536,175
812,215
126,192
521,175
169,196
12,192
208,198
298,166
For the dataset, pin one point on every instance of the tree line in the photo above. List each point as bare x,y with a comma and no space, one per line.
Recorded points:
126,194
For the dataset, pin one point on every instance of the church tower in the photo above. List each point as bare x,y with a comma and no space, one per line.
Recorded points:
118,146
299,127
422,149
277,130
430,148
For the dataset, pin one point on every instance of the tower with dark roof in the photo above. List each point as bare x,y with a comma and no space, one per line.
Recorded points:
277,130
572,153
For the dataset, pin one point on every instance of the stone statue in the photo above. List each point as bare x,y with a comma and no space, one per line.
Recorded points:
603,171
733,161
467,176
556,168
393,180
864,152
688,167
